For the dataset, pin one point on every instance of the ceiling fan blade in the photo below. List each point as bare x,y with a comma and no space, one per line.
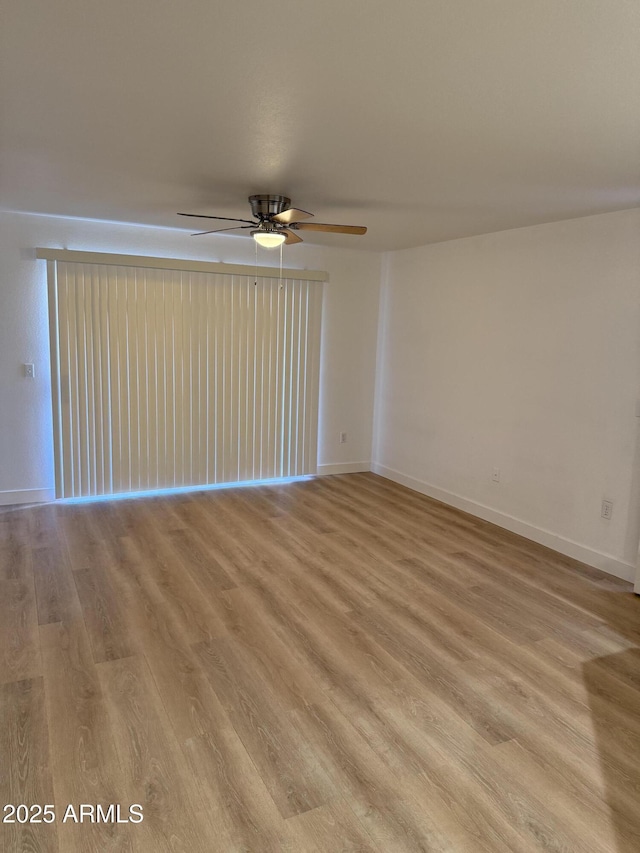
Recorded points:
218,230
292,214
292,237
226,218
337,229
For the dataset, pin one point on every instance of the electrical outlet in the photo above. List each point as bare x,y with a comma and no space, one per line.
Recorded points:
29,371
343,438
607,509
496,475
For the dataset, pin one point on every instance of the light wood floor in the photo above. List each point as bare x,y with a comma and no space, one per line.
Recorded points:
334,665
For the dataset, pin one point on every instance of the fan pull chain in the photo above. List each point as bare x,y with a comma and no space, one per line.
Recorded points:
281,245
255,283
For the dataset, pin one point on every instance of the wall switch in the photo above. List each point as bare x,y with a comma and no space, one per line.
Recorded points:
607,509
638,408
496,475
343,438
29,371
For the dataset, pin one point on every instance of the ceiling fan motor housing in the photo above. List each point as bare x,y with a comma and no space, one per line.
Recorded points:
266,206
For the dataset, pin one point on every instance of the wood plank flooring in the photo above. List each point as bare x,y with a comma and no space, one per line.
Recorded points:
338,664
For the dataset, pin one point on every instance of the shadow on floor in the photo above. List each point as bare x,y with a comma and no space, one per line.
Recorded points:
613,685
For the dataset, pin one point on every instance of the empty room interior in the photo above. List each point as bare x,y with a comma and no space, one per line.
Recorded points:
319,426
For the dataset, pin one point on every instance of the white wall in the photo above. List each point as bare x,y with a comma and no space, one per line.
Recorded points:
347,372
520,350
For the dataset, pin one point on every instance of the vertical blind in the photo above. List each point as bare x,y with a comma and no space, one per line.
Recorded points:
169,378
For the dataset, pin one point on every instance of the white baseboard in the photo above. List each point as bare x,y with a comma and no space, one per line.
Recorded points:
27,496
344,468
597,559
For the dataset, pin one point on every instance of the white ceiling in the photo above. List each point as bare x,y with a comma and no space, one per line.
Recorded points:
424,120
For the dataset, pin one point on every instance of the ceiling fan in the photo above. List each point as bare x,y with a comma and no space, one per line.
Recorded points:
275,222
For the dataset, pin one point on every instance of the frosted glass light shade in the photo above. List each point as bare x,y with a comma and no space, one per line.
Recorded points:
269,239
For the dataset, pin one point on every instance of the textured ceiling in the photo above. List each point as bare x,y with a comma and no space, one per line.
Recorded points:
423,120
